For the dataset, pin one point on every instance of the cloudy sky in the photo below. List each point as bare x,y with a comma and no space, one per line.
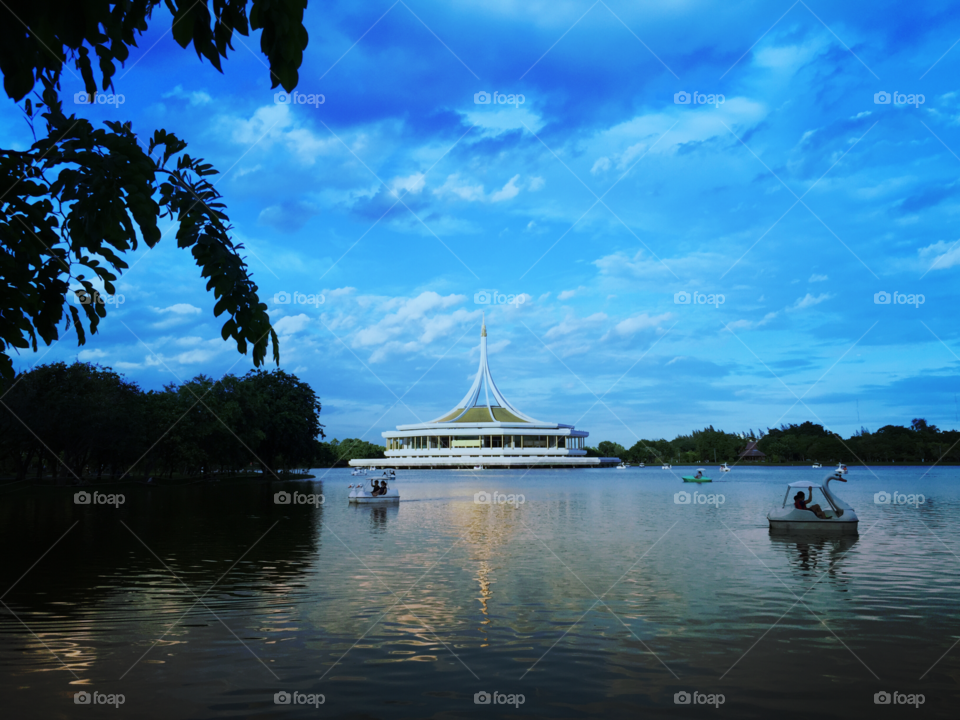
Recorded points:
674,214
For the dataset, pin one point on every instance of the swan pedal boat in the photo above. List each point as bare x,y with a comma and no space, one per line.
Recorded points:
362,494
840,517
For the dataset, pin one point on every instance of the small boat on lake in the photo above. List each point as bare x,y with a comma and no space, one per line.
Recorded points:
839,518
359,471
724,468
816,466
666,466
622,466
362,494
693,478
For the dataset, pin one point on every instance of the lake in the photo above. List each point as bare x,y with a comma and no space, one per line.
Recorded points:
593,595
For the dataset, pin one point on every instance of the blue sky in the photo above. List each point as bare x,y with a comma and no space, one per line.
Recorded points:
796,194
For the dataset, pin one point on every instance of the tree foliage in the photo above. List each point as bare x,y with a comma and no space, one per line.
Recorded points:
73,205
82,420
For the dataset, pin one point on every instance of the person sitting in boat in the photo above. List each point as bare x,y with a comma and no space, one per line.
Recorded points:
800,504
376,488
699,474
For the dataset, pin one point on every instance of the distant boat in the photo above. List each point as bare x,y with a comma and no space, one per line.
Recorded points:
816,466
724,468
359,471
841,469
691,478
640,465
478,467
666,466
622,466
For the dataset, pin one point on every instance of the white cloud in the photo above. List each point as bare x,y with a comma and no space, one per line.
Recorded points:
198,97
809,300
508,191
176,314
454,186
940,256
818,278
633,325
412,184
751,325
567,294
572,324
91,355
291,325
536,183
179,309
275,124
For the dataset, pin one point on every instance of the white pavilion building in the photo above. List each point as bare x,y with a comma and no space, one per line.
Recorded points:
484,429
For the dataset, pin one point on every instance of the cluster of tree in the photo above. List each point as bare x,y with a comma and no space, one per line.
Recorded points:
82,421
338,454
806,442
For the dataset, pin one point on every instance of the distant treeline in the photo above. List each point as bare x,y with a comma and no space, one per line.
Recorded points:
337,454
807,442
86,421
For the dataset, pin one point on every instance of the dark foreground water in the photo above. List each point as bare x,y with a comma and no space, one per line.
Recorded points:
599,596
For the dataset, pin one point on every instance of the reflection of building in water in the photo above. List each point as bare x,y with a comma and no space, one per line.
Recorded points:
485,429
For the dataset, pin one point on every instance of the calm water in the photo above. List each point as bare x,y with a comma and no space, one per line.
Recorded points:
599,596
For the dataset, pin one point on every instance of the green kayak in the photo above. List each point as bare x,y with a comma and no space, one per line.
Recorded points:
690,478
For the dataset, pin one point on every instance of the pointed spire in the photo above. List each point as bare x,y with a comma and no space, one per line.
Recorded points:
483,329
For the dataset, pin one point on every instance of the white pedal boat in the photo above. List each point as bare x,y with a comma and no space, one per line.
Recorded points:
840,517
362,493
724,468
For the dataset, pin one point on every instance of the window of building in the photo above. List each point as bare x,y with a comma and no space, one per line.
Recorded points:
496,441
